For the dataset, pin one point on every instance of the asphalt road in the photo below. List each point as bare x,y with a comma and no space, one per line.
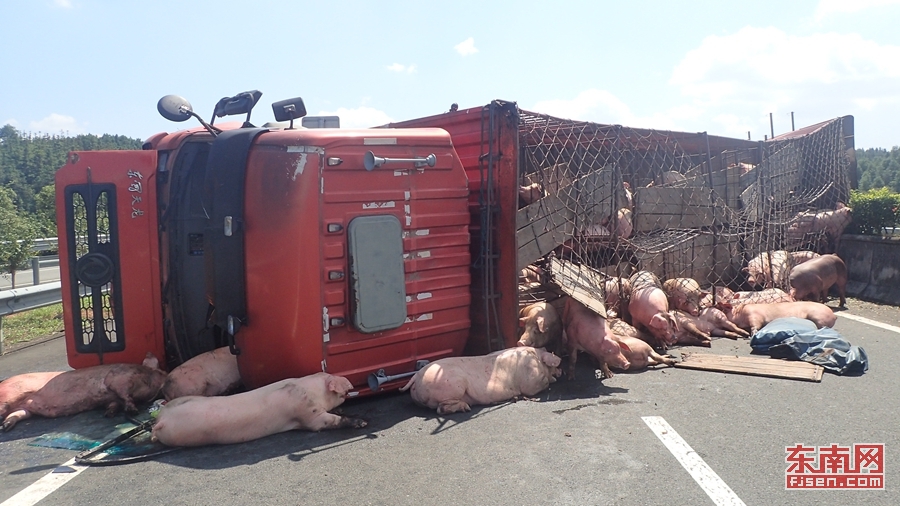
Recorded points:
580,442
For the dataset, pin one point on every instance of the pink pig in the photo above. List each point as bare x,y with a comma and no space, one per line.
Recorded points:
456,383
587,331
14,391
649,308
111,386
212,373
291,404
755,316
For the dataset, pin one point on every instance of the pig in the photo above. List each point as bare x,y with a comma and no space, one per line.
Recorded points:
585,330
753,317
831,223
616,292
112,386
291,404
542,325
719,294
640,355
622,226
456,384
634,346
531,274
212,373
649,309
684,294
798,257
530,194
688,331
767,296
761,273
815,277
14,391
629,195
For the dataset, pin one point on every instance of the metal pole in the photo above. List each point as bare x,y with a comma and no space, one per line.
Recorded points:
35,271
1,335
792,121
748,135
771,126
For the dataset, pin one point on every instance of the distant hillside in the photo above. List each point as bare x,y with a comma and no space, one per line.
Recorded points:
879,168
28,162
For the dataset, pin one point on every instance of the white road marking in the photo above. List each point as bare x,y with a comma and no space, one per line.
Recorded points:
44,486
867,321
709,481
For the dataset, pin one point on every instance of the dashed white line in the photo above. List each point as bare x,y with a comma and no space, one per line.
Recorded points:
867,321
45,486
709,481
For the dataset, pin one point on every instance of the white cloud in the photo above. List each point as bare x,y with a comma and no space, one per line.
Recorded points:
601,106
757,71
361,117
65,4
827,8
11,121
466,47
400,68
57,123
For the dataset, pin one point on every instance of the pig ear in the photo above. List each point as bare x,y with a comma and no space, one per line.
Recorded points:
540,324
522,321
334,385
624,346
151,361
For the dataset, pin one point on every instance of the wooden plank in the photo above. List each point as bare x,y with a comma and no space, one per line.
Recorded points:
580,282
753,366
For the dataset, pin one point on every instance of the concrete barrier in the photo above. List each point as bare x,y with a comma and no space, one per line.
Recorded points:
873,267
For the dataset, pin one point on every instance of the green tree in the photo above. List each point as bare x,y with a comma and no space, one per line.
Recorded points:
17,234
45,211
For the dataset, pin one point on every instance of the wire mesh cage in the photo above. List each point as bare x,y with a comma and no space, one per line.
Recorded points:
599,203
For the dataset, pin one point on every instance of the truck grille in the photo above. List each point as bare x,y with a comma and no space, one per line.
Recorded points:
94,277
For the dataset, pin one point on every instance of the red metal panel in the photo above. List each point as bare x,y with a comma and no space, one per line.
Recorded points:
291,298
134,175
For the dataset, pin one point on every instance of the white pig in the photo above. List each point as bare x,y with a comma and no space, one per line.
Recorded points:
212,373
456,383
296,403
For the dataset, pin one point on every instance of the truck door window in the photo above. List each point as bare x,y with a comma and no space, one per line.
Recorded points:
377,276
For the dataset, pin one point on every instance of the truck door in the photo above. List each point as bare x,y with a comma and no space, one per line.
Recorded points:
109,257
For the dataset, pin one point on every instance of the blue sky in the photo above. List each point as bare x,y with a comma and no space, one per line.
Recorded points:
99,66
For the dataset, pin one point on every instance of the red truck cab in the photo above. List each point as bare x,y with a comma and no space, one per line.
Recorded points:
304,250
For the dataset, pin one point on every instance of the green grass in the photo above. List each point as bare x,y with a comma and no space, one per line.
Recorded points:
28,325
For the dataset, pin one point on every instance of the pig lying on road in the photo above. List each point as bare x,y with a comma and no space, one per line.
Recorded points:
111,386
457,383
212,373
639,354
14,391
755,316
296,403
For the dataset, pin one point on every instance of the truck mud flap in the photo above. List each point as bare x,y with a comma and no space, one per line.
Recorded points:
224,237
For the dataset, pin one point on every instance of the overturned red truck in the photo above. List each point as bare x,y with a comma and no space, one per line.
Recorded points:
360,253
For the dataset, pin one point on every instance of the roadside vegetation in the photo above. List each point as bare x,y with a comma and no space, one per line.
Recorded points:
30,325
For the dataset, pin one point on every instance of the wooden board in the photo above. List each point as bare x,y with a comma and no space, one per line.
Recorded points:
580,282
754,366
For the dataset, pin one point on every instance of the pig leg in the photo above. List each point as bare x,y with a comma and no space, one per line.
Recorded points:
573,357
452,406
13,418
604,370
656,359
332,421
725,333
695,340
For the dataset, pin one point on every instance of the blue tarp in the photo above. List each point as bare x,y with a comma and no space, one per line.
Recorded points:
799,339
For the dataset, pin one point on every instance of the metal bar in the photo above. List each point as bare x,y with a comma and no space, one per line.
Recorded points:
35,271
30,297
